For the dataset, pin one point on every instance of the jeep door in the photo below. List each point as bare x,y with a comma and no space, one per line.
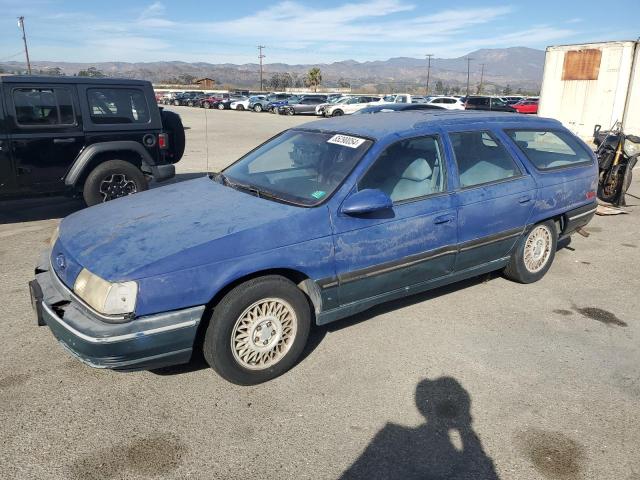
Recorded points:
46,133
7,176
413,242
495,197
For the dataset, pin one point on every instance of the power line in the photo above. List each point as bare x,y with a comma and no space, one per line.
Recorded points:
468,73
260,57
428,55
24,39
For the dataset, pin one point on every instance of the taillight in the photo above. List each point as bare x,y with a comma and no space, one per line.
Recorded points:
163,141
591,194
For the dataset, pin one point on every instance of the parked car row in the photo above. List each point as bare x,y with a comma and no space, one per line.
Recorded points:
334,105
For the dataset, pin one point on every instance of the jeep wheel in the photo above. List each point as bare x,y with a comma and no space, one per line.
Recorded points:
221,106
111,180
258,330
257,108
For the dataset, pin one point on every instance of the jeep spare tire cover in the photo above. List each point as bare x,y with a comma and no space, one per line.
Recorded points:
172,124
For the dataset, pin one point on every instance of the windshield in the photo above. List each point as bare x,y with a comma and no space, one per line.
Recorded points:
299,167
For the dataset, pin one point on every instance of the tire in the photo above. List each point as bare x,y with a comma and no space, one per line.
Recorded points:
233,361
111,180
172,124
206,105
221,106
176,103
291,111
257,108
534,254
189,103
240,108
337,113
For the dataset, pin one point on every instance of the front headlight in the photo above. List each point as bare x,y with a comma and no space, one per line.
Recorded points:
106,297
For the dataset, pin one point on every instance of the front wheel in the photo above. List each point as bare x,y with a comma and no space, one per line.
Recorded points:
291,111
534,254
257,108
111,180
221,106
240,108
337,113
258,330
206,105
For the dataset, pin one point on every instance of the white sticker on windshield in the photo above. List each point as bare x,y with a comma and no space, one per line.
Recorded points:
346,140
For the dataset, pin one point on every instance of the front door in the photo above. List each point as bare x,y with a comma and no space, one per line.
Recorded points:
7,176
411,243
46,135
496,198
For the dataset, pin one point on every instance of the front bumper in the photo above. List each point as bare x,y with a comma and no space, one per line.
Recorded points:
142,343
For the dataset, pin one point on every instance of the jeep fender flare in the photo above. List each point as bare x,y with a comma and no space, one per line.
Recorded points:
84,158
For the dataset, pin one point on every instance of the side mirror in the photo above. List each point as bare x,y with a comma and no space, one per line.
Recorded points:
366,201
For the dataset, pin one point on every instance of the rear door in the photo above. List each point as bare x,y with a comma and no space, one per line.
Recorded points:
46,133
413,243
495,196
7,176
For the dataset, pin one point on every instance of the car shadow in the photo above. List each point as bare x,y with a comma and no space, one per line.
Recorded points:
444,446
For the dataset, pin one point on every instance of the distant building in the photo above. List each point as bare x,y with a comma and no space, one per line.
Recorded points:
205,82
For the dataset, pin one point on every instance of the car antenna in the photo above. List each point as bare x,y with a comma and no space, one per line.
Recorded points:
206,137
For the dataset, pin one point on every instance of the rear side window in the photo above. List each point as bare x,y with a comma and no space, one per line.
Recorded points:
481,158
547,149
117,105
43,106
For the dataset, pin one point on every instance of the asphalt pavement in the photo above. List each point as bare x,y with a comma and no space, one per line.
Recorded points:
487,376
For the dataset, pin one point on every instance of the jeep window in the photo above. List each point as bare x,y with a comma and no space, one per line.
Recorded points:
481,159
43,106
299,167
117,105
547,149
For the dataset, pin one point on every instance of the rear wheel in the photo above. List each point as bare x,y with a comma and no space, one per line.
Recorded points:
206,105
337,113
258,330
534,254
221,106
111,180
240,107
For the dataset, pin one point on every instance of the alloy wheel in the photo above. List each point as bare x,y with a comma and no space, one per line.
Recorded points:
117,185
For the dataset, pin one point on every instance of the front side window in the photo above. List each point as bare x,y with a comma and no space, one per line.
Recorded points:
43,106
547,149
299,167
408,169
481,158
117,105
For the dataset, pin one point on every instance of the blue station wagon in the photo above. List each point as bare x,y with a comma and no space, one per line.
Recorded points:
318,223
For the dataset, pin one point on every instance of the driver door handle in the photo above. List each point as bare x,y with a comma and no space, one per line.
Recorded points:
64,140
443,219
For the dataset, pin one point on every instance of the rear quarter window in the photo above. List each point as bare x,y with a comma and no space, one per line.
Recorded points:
548,149
117,106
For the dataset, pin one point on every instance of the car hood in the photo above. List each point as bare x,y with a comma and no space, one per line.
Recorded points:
180,226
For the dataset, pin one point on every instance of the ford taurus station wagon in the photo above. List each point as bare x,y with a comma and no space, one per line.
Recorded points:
318,223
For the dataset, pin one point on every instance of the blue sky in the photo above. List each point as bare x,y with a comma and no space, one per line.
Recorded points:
299,31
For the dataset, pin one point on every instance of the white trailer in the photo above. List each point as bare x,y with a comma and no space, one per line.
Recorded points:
592,84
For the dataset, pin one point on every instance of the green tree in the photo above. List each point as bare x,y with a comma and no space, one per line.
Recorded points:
439,87
314,78
91,72
507,90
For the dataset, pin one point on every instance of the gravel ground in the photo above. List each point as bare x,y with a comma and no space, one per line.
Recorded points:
509,381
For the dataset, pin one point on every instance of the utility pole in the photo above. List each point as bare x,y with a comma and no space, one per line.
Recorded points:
24,39
428,55
260,57
468,73
481,78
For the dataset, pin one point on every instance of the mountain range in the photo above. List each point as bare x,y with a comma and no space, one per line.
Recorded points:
518,67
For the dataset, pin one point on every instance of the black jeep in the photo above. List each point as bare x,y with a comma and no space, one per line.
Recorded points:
103,137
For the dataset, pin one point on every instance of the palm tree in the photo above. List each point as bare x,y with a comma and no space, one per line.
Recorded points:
314,78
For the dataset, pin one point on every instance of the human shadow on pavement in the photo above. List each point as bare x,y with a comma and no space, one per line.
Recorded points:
444,447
